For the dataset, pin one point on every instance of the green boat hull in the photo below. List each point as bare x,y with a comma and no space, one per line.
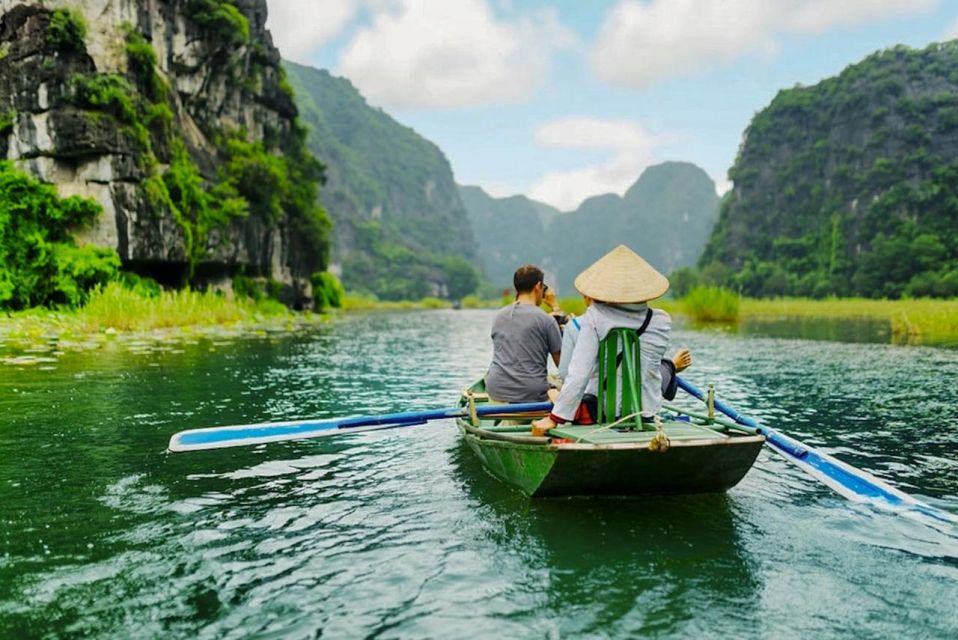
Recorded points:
695,466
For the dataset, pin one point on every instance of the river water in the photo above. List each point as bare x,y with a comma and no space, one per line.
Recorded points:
402,534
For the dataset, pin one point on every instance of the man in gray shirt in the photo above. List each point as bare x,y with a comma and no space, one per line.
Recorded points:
523,336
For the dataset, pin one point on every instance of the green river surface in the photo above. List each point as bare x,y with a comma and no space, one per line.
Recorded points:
401,533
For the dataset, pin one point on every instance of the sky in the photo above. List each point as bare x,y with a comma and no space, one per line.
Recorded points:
568,99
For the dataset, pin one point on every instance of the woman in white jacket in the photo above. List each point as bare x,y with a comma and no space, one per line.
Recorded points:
620,283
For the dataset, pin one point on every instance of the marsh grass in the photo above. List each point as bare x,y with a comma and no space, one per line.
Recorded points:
115,310
711,304
124,310
912,321
365,302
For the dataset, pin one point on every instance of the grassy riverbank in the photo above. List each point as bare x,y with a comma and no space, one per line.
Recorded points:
115,313
916,321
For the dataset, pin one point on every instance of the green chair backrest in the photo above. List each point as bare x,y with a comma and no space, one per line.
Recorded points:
625,368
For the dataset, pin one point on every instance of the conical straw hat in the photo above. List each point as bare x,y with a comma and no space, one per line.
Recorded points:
621,276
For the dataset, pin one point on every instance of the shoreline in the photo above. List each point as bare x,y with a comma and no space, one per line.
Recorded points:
40,336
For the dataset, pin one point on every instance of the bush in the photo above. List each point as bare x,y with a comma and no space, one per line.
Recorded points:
433,303
140,285
39,262
220,17
711,304
7,120
67,30
683,280
105,92
328,291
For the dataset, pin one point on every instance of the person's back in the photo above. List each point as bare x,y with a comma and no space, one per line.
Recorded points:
523,337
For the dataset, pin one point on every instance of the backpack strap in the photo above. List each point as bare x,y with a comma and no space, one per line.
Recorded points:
639,331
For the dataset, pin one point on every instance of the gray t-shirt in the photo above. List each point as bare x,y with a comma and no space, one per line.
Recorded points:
523,336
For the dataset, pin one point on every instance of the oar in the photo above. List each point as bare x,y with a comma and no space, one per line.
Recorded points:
850,482
249,434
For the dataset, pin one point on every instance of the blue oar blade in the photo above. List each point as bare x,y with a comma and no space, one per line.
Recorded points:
252,434
848,481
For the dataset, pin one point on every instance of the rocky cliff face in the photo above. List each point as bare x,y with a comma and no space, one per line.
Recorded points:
401,230
849,187
173,115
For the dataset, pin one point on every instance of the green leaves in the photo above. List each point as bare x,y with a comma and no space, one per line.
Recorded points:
39,262
220,17
849,187
67,30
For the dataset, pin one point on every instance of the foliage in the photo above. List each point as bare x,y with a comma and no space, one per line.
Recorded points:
121,308
849,188
328,291
711,304
195,207
142,61
260,177
913,321
220,17
461,277
683,280
392,191
67,30
397,272
7,120
39,263
369,302
146,287
106,92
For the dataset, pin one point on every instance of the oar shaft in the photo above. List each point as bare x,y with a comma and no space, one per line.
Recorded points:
847,480
244,435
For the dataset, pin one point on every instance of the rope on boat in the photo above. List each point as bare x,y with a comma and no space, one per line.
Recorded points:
659,442
608,426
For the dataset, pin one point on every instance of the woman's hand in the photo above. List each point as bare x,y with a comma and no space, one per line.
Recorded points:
682,360
542,426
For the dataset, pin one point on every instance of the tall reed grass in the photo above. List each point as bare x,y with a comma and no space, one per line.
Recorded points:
912,321
711,304
366,302
125,310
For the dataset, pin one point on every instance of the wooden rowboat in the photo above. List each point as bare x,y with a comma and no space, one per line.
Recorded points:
701,456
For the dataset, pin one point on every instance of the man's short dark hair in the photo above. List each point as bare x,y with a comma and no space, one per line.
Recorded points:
526,278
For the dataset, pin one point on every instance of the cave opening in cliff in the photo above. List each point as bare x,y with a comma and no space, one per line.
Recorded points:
168,274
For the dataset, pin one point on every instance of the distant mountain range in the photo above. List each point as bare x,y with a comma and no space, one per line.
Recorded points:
400,230
666,216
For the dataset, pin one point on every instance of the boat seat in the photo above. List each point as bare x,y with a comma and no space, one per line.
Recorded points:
620,376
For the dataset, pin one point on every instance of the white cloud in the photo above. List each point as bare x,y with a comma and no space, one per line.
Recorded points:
630,147
643,42
722,186
451,53
302,27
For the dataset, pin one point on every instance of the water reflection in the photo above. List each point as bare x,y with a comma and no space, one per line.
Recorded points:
402,533
680,554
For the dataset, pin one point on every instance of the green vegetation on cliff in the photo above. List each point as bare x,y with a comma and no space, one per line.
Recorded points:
401,231
39,262
67,30
849,187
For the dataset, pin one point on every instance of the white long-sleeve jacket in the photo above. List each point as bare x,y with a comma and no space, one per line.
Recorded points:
596,323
